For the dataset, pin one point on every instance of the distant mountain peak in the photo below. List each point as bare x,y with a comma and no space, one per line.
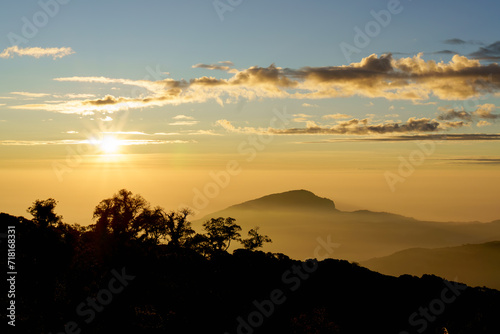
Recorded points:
290,200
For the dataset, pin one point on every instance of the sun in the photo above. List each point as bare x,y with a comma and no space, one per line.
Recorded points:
109,145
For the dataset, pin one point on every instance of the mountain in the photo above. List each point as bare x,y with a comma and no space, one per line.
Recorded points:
299,222
473,264
290,200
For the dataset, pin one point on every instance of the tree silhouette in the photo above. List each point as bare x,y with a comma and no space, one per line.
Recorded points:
123,215
152,222
220,232
177,227
256,240
43,212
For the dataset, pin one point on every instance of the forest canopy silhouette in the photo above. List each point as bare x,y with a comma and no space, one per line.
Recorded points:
143,269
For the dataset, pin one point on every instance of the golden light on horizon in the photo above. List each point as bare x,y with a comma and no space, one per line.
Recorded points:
109,145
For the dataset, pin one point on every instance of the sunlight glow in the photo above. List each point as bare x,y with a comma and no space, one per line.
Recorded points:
109,145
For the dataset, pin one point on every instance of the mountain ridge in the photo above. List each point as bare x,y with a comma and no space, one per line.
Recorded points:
296,219
474,264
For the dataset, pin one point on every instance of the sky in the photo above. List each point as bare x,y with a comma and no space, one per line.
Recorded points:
382,105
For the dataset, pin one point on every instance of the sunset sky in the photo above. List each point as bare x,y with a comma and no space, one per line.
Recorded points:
382,105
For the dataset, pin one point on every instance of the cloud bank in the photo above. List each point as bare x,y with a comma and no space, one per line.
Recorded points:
352,127
410,78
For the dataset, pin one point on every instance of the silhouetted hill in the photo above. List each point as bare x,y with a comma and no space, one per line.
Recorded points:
298,220
74,280
290,200
474,264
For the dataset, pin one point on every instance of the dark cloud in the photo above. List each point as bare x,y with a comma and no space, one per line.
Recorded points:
108,99
483,111
433,137
458,41
489,52
451,114
478,161
208,81
226,67
455,41
362,127
269,76
445,52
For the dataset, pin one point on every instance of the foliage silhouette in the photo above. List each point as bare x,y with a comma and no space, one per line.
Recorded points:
43,212
220,231
179,290
256,240
178,228
120,215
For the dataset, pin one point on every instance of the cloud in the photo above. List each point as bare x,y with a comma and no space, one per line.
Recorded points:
458,41
299,118
336,116
183,117
42,142
419,137
479,161
362,127
36,52
410,78
419,103
486,111
30,94
226,66
455,41
187,123
225,124
483,123
307,105
351,127
76,96
140,133
204,133
450,114
445,52
406,78
489,52
483,111
123,142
